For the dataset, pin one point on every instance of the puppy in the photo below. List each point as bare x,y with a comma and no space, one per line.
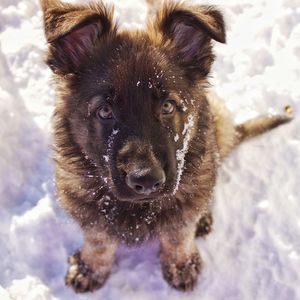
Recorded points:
138,138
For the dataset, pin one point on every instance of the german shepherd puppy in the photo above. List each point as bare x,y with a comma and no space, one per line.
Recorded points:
137,136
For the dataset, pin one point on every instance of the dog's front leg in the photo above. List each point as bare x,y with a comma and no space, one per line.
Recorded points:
180,258
91,266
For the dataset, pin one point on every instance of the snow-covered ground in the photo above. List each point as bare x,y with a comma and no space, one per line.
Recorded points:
254,251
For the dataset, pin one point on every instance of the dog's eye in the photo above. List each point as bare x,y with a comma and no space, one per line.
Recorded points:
168,107
105,113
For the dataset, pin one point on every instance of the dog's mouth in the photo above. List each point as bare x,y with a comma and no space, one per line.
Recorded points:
122,193
138,198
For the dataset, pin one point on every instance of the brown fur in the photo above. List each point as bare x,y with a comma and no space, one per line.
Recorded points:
90,267
94,62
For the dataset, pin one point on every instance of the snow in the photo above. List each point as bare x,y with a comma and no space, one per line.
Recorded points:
180,154
111,142
254,250
106,158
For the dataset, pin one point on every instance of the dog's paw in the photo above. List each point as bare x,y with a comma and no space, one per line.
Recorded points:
183,276
204,226
81,277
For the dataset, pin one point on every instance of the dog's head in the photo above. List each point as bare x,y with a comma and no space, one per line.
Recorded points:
132,101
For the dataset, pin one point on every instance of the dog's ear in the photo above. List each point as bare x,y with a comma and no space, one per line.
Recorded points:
189,31
72,32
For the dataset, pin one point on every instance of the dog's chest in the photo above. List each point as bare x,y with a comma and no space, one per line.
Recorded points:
134,223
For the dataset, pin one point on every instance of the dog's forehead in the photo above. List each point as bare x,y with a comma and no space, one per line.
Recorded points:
136,63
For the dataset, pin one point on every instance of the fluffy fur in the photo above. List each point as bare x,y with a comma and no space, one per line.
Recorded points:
135,73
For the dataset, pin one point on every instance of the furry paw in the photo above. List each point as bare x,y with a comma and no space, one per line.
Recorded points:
81,277
205,225
183,276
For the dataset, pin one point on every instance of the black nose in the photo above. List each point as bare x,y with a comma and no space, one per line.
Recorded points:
146,181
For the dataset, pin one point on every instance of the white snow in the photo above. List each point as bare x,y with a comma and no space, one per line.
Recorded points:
106,158
180,154
254,250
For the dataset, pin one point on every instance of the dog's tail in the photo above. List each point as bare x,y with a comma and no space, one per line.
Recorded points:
261,124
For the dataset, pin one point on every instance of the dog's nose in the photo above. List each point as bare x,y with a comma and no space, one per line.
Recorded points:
146,181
